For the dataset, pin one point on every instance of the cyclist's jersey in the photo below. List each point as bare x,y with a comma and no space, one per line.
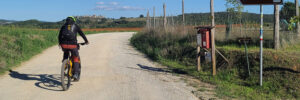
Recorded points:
74,30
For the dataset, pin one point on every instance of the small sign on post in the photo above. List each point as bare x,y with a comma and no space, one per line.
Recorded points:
199,39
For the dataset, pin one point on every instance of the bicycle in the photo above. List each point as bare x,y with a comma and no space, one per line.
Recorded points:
67,71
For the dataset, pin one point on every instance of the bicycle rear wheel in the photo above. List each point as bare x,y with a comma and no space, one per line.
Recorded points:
65,78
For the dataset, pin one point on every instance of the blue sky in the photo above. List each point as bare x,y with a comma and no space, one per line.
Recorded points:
56,10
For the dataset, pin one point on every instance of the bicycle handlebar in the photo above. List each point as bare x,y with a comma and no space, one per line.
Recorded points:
82,43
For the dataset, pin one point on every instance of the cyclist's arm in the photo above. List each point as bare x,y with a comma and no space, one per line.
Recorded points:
82,34
59,36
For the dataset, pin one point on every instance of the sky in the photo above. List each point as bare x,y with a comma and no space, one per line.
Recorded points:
57,10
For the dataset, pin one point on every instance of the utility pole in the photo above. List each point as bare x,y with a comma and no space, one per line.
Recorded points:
276,27
165,17
183,19
297,14
154,25
213,49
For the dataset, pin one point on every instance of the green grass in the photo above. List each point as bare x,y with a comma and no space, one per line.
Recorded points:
20,44
281,68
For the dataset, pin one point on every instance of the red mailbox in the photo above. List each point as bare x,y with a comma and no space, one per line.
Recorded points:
204,37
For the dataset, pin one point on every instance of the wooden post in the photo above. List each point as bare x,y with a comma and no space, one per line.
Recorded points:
154,25
276,27
165,17
213,49
198,58
297,14
173,21
148,20
183,19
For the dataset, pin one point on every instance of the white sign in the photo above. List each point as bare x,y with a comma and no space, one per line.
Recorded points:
199,39
277,1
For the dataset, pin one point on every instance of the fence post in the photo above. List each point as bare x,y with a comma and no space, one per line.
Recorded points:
154,25
165,17
213,49
183,17
148,20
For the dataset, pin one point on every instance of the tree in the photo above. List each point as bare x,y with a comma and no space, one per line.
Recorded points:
237,8
141,16
122,17
288,11
229,21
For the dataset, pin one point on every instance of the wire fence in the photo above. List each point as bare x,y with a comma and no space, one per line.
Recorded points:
229,28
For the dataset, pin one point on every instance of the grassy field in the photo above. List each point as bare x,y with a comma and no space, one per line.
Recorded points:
20,44
178,52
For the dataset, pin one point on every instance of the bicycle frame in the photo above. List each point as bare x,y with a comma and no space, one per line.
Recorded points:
71,67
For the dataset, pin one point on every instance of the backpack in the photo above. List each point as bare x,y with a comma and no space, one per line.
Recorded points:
68,33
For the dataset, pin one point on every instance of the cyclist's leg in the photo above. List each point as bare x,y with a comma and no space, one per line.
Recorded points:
75,57
66,54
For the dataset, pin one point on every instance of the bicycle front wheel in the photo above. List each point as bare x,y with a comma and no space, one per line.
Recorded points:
65,77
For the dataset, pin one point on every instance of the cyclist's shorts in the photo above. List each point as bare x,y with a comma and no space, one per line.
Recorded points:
68,46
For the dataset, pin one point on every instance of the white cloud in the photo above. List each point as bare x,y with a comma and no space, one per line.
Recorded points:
119,8
100,3
114,3
114,6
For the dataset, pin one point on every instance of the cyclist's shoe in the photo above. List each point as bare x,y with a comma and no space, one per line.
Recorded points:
76,77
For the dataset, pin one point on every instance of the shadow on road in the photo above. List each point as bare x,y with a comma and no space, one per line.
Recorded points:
280,69
44,81
153,68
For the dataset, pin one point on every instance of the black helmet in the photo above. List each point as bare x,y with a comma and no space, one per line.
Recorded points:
70,20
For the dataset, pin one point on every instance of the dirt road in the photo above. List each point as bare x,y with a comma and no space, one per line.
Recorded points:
111,70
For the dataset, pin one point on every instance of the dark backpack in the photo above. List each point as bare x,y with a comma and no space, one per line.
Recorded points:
68,33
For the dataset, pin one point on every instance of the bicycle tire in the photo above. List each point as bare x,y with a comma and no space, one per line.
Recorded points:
65,78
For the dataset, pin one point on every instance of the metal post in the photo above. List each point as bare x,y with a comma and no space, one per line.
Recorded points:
247,57
198,58
261,44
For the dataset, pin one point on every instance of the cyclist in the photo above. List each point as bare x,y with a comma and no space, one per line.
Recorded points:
68,42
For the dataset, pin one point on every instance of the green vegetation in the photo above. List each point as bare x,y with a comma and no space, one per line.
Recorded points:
178,52
20,44
288,11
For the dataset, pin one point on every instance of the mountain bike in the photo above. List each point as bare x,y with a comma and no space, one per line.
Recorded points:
67,71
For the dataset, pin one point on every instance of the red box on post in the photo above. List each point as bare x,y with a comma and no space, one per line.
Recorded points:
204,33
205,38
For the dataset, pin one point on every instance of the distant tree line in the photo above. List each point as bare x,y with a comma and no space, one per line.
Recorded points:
191,19
83,22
